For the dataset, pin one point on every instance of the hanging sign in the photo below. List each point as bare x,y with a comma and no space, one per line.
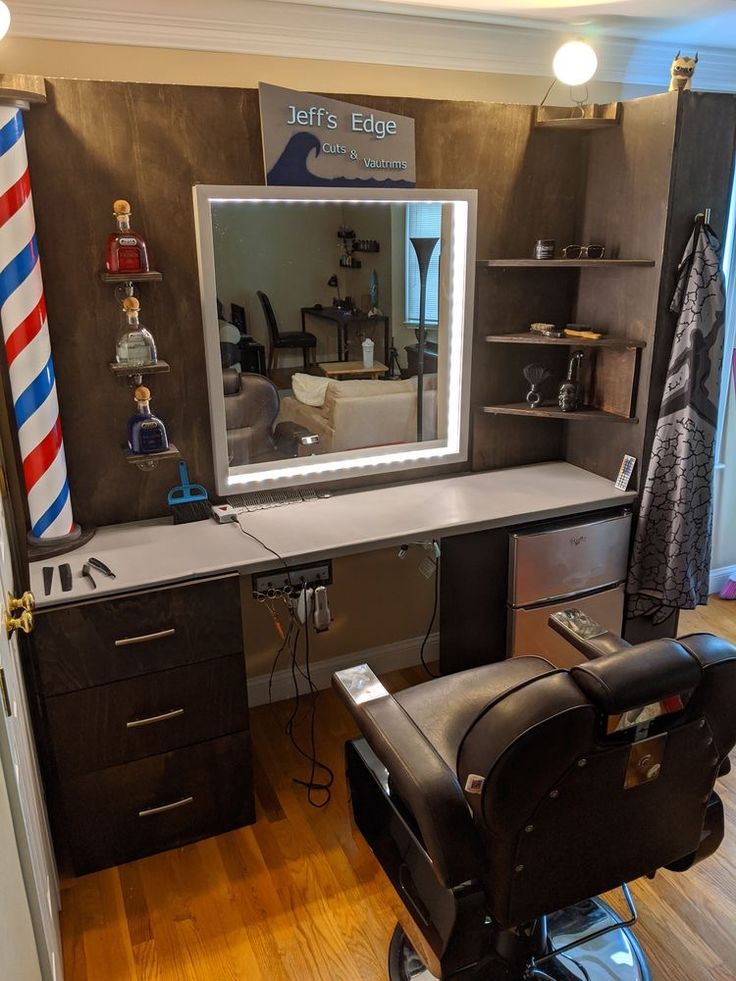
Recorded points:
311,141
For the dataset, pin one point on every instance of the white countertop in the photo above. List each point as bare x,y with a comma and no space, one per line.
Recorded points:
152,553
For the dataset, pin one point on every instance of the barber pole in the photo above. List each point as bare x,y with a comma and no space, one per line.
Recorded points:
27,343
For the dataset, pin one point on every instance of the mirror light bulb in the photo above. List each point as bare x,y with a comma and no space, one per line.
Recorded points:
575,63
4,19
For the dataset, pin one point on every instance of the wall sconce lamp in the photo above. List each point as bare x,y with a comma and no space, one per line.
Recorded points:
4,19
575,63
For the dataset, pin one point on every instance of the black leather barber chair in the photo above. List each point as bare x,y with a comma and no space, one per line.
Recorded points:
502,800
251,407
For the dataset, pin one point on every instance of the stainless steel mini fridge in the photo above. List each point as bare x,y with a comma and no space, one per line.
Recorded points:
560,565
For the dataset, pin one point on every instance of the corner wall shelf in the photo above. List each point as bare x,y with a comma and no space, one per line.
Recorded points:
149,461
593,116
563,263
129,277
555,412
530,338
135,371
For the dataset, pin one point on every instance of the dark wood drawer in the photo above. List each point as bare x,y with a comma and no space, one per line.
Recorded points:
128,720
126,812
98,642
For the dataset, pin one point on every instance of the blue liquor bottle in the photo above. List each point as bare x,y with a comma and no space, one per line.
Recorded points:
146,432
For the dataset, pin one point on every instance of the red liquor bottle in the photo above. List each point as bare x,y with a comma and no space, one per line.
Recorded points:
126,249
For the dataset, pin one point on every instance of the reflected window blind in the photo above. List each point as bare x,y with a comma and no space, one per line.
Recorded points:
423,220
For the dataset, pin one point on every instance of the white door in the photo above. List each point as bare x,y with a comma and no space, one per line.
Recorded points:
39,892
17,942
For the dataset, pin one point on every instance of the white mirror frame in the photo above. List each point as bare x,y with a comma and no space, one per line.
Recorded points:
351,463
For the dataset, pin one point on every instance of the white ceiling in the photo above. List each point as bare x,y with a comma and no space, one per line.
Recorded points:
635,39
704,22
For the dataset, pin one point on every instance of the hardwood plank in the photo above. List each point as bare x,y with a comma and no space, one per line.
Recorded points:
301,898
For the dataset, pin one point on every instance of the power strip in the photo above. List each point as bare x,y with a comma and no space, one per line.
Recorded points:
313,575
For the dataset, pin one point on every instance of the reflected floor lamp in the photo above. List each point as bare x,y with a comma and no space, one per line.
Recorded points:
424,249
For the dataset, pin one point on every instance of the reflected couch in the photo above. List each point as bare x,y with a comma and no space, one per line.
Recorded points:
360,413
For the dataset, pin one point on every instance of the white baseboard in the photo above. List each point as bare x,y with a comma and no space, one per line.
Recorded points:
388,657
719,577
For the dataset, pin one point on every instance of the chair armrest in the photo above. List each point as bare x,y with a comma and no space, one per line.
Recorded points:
421,778
585,635
290,437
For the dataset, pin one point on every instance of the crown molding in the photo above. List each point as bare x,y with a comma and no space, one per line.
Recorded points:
298,30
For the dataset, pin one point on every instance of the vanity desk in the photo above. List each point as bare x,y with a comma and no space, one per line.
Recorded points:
141,683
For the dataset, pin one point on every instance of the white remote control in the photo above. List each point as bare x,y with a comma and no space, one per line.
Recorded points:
624,475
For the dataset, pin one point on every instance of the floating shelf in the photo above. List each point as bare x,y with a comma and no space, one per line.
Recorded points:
555,412
149,461
132,371
143,277
563,263
529,338
593,117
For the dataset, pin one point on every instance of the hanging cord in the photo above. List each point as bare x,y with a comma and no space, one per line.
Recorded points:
312,784
580,103
291,643
546,94
432,674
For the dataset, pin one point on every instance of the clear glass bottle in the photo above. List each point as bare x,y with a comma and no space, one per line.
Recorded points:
126,249
135,346
146,432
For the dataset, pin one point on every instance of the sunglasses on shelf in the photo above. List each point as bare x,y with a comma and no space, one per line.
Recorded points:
583,252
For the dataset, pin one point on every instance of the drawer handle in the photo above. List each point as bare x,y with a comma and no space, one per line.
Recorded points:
135,723
165,807
144,638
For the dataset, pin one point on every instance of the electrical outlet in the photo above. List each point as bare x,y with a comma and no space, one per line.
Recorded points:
314,574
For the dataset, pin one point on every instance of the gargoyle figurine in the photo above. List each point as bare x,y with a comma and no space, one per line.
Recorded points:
682,72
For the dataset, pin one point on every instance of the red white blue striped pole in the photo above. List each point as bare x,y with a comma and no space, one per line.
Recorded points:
27,344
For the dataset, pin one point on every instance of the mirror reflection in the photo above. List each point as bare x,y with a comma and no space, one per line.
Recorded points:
333,327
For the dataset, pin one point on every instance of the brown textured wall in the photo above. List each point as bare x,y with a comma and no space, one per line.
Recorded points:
95,141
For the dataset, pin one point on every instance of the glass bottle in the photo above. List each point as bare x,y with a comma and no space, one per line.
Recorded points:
126,249
570,395
146,432
135,346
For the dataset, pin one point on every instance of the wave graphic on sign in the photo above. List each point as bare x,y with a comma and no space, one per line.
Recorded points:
291,168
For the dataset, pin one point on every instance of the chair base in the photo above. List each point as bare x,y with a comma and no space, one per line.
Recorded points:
616,956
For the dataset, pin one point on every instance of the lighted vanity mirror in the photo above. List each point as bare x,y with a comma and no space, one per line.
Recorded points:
311,305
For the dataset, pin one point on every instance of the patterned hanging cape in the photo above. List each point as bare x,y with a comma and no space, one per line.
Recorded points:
670,564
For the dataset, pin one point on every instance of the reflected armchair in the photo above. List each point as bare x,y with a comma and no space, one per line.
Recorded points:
251,407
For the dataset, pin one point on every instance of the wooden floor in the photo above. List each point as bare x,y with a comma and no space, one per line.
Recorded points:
298,897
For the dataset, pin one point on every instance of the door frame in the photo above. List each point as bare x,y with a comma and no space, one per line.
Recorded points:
15,506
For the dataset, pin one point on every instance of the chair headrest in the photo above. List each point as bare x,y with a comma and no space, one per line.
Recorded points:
231,381
638,675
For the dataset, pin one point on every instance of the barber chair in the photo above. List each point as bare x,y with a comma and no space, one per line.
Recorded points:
251,407
501,801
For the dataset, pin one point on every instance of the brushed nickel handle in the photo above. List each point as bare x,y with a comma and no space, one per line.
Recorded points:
135,723
165,807
144,638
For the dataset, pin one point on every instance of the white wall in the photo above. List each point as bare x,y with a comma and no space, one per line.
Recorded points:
289,251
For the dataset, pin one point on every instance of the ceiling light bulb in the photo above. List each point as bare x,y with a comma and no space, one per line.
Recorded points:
4,19
575,63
